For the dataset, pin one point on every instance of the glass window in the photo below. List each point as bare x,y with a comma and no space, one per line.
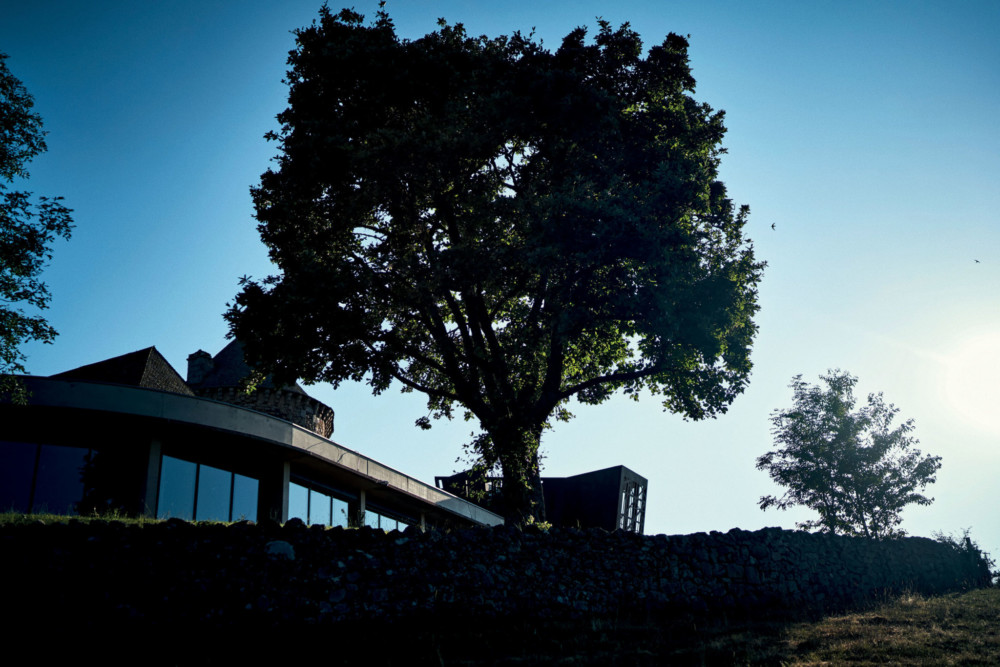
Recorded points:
221,494
340,513
386,523
214,489
59,484
298,501
17,469
176,497
244,498
319,507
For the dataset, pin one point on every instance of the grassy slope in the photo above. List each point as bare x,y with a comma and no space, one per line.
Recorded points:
950,630
957,629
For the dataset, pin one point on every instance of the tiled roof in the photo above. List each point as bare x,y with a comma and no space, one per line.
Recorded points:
143,368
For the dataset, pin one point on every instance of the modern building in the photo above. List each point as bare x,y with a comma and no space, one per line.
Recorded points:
613,498
130,434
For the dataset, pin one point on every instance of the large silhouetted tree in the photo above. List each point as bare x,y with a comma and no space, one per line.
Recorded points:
27,230
853,467
503,228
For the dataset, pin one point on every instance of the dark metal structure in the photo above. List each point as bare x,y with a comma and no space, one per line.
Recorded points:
613,498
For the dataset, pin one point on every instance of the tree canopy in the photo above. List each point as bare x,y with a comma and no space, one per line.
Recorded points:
851,466
501,227
27,230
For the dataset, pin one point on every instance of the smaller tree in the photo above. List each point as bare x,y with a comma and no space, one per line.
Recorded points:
27,230
851,466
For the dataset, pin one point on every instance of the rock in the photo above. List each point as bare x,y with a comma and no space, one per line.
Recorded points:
280,549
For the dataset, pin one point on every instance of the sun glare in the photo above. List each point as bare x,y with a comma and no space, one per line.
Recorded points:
972,381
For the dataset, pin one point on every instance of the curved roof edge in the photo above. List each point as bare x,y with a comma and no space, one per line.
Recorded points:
152,403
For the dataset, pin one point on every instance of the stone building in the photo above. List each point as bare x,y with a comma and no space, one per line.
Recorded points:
223,377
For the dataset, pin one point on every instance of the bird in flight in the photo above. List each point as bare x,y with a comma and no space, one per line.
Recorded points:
772,227
976,261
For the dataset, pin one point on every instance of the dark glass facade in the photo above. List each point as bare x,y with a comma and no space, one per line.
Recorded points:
93,448
317,507
55,479
42,478
201,492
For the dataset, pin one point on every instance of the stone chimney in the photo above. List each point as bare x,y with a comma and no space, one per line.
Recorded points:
200,364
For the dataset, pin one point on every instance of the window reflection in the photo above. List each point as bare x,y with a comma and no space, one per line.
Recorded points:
244,498
298,502
340,513
319,508
17,470
68,480
316,507
376,520
40,478
214,490
177,487
58,484
191,490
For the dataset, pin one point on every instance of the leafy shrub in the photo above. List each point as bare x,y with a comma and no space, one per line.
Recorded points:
966,545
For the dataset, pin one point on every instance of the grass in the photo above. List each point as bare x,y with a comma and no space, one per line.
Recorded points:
957,629
12,518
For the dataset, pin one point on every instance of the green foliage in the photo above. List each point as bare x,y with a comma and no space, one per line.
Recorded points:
543,526
502,228
27,230
852,467
967,546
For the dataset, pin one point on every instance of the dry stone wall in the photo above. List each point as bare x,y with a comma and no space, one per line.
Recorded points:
246,574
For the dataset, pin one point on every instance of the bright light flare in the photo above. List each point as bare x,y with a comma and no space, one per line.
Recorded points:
972,381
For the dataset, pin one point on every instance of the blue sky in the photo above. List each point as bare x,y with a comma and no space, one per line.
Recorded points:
865,132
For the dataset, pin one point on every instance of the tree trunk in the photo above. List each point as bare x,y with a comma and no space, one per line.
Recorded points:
522,482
